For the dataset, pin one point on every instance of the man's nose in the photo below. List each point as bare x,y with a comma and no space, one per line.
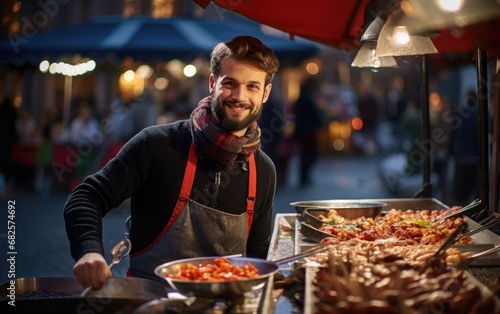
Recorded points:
240,93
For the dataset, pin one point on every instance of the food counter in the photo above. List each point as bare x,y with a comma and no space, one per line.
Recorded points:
288,291
287,239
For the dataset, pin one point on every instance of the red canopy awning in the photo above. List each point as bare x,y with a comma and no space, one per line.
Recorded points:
340,23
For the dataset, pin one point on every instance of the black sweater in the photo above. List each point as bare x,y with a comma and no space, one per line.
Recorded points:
150,169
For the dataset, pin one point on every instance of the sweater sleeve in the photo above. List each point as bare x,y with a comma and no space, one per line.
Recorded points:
90,201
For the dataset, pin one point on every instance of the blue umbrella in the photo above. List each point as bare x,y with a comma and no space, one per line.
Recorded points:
144,38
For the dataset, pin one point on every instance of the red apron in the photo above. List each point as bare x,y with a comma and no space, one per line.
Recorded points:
197,230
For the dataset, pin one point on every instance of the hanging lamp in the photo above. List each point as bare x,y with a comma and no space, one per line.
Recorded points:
366,58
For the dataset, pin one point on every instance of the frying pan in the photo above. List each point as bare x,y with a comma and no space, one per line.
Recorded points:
228,288
62,295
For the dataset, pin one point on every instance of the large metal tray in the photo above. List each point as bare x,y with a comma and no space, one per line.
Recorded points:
485,237
310,298
286,239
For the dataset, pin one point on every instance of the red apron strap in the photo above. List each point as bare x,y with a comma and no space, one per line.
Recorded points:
187,184
252,190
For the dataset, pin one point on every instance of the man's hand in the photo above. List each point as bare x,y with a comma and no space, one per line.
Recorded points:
92,269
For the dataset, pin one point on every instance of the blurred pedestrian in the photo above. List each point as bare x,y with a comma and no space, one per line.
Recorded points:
441,156
394,106
309,118
411,126
396,101
368,111
26,127
272,124
46,121
465,152
84,128
130,114
143,112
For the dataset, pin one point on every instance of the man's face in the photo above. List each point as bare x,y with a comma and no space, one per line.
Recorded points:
238,95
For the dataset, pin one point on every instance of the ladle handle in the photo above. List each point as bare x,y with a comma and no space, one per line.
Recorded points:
473,204
466,261
87,291
314,250
119,251
484,253
490,224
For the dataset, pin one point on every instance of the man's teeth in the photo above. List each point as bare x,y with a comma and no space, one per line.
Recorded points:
237,108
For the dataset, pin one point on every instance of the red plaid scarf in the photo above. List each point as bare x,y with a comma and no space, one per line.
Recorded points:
210,139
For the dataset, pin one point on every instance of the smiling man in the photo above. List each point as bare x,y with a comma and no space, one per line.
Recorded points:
198,187
238,93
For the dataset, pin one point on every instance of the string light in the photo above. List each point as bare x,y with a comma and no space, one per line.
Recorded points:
66,68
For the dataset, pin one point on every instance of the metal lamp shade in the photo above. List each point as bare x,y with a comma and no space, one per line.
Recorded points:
365,58
395,40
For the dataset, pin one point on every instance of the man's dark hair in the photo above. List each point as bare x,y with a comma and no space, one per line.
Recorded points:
245,48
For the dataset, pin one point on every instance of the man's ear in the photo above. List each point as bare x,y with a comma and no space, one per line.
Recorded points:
267,92
211,82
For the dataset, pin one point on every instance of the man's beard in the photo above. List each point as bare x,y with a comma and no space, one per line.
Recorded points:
229,125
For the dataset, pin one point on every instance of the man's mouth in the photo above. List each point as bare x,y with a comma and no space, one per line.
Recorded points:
236,107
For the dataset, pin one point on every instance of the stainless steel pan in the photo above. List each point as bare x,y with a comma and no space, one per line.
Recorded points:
347,206
216,289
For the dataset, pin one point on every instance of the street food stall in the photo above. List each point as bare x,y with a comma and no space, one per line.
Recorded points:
329,286
391,256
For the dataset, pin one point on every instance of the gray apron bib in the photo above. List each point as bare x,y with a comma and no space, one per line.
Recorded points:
196,230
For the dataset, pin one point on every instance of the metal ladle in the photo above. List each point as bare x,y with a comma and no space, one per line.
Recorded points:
118,252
